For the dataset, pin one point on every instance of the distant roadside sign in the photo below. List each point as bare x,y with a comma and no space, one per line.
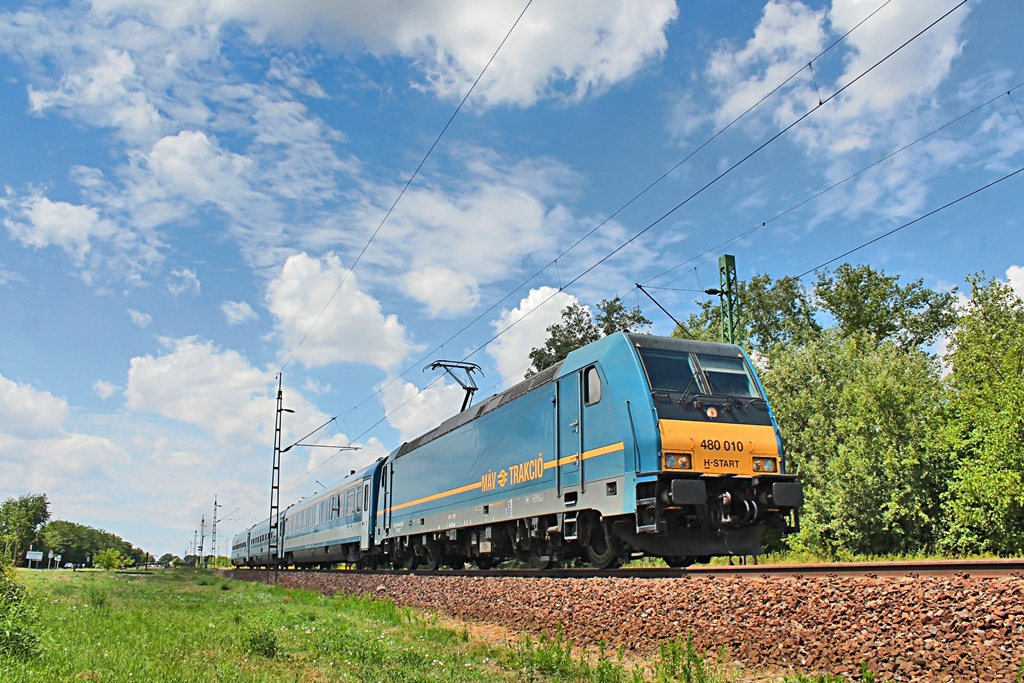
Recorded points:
34,555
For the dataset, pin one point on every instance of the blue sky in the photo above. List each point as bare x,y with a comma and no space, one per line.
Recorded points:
187,186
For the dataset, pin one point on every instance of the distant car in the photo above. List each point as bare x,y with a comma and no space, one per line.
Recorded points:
69,565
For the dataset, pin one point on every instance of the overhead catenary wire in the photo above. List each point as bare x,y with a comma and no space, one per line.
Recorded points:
715,250
651,225
637,196
408,183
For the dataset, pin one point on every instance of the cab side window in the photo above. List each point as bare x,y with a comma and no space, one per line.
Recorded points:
591,386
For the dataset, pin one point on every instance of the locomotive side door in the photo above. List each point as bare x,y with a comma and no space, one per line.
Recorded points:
570,433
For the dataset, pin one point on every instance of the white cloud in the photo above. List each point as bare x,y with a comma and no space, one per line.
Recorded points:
28,413
412,411
1015,276
183,280
139,318
68,226
106,93
526,327
104,389
238,312
788,35
443,290
199,384
332,324
555,51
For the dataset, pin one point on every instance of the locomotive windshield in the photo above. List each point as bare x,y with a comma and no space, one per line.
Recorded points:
682,382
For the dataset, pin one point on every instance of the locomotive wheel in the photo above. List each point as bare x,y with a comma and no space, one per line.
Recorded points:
435,558
538,558
601,554
410,560
678,562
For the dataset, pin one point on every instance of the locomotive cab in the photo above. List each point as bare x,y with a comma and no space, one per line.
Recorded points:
716,480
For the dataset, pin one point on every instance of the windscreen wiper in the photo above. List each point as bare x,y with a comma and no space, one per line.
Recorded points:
686,390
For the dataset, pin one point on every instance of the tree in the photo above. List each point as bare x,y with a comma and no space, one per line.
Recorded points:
863,299
579,329
771,313
76,542
859,423
20,519
985,502
109,559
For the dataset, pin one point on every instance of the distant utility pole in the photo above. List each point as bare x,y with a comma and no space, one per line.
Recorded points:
202,539
195,541
213,535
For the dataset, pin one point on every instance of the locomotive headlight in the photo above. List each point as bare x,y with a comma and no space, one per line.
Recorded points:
670,462
685,463
769,465
764,464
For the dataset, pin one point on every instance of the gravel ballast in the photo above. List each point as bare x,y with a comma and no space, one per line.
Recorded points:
957,628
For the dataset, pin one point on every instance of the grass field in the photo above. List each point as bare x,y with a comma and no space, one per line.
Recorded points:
182,625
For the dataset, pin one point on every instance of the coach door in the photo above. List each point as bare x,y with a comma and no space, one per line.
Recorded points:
368,519
570,434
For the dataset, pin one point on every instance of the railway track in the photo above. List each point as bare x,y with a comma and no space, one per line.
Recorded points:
915,568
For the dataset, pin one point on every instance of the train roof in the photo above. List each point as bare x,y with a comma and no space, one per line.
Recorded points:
482,408
684,345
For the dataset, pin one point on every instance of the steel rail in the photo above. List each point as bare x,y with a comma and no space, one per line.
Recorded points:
910,568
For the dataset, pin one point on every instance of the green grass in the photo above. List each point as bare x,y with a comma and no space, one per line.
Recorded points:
186,626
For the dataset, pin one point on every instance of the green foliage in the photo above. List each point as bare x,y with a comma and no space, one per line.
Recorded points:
858,421
552,659
867,301
680,661
20,519
579,329
985,502
262,642
771,313
109,559
76,542
18,617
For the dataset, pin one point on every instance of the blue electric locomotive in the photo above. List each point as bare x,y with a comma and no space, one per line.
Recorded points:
633,445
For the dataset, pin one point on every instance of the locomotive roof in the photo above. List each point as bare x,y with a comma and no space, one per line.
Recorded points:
486,406
684,345
545,376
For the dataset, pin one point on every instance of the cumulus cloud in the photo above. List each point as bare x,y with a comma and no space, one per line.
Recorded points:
104,389
238,312
882,110
197,383
26,412
317,302
413,411
556,50
183,280
443,290
788,35
1015,276
71,227
139,318
105,93
525,328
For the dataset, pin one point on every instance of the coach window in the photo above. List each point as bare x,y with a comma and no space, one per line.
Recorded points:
351,502
592,385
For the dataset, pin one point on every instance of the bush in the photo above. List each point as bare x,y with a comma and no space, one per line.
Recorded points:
18,617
